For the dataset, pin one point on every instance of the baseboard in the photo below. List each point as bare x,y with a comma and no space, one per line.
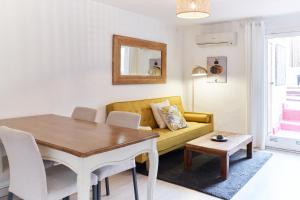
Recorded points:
284,150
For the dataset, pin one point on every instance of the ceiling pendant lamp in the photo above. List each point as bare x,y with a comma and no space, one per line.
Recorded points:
193,9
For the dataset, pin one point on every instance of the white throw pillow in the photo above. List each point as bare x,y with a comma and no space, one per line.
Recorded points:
155,109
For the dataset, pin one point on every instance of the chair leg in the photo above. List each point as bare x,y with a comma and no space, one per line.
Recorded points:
10,196
95,192
136,192
66,198
99,190
107,186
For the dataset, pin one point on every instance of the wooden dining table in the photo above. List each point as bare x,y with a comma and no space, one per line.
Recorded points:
86,146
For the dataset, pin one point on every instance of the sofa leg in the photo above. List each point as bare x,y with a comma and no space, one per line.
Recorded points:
147,165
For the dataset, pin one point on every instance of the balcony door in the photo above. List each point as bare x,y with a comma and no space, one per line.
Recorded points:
284,92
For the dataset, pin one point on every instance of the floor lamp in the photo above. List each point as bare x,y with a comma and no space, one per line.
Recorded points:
198,71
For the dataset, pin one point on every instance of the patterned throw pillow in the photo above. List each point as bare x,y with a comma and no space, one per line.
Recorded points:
172,117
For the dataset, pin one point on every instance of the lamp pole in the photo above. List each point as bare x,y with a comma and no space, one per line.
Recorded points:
193,95
197,71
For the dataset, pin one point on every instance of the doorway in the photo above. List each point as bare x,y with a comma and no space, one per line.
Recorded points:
284,92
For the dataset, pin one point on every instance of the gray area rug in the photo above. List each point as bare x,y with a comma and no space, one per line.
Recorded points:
204,175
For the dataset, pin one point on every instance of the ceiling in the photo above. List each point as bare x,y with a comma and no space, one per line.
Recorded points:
221,10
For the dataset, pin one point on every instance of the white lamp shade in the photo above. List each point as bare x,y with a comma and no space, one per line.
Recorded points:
199,71
193,9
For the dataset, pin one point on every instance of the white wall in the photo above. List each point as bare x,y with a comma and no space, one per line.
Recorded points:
227,101
57,54
283,24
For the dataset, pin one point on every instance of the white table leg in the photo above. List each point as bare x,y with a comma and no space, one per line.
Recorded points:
153,162
83,185
84,166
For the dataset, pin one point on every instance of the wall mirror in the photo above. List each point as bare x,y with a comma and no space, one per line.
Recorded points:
137,61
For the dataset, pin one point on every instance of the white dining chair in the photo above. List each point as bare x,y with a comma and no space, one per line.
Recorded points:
29,179
85,114
79,113
126,120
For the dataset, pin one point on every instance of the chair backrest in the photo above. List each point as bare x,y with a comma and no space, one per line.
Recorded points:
124,119
83,113
27,172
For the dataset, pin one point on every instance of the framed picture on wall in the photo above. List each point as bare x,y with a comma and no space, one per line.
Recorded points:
217,69
280,65
154,67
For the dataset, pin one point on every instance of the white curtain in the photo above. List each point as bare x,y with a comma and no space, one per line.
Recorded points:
257,73
134,61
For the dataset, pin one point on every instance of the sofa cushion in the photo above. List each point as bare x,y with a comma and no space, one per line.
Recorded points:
169,139
197,117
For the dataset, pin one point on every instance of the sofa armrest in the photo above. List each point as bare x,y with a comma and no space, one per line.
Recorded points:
199,117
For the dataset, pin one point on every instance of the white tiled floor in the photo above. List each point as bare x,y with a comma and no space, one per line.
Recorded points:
279,179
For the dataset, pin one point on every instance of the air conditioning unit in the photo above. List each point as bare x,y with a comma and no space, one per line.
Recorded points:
213,39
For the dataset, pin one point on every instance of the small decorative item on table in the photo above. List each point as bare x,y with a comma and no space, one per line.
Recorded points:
219,138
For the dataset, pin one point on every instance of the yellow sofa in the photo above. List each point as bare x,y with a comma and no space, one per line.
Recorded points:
199,124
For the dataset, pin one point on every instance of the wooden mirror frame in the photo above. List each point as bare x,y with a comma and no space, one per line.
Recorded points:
118,79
